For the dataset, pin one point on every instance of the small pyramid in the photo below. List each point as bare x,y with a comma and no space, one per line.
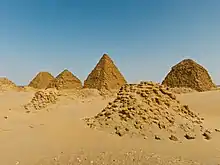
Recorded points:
105,76
41,80
6,84
189,74
65,80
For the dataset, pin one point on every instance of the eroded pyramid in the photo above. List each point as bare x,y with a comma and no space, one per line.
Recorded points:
189,74
41,80
6,84
65,80
147,109
105,76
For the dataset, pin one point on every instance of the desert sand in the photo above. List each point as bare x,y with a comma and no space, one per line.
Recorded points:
58,134
108,121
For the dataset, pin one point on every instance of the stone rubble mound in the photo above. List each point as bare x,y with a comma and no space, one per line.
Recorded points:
42,99
148,109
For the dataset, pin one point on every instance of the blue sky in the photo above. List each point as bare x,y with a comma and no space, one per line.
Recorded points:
144,37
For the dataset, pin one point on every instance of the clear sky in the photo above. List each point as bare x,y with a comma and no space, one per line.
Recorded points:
144,37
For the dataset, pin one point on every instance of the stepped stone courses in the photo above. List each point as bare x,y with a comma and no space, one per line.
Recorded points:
105,76
189,74
41,81
146,109
65,80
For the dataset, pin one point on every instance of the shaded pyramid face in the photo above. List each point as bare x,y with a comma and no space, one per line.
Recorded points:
65,80
105,76
189,74
41,80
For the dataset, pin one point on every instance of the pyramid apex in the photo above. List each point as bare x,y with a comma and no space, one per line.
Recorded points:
65,70
105,56
188,60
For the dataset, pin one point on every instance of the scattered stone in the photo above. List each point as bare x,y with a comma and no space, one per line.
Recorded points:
105,76
217,130
157,137
41,80
207,135
189,74
190,136
174,138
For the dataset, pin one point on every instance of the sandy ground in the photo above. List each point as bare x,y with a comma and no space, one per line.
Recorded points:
57,135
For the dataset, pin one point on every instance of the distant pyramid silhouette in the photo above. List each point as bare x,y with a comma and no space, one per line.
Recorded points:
105,76
41,80
189,74
65,80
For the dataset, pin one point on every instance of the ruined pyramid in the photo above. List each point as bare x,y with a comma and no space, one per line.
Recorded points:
6,84
189,74
105,76
65,80
148,109
41,80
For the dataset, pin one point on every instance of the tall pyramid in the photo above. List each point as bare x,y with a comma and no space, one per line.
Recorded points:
41,80
105,76
189,74
65,80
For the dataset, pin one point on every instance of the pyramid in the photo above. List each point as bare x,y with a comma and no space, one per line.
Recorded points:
6,84
65,80
147,109
41,80
105,76
189,74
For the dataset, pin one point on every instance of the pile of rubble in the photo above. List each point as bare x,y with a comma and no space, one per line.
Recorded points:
42,99
148,109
